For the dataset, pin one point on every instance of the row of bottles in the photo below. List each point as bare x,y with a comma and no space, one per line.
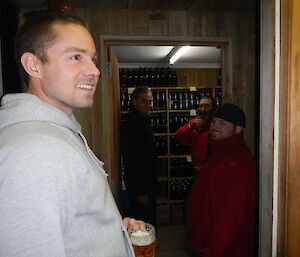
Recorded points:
161,145
177,148
150,77
218,96
159,100
186,99
177,120
177,99
180,188
158,122
181,167
125,101
181,94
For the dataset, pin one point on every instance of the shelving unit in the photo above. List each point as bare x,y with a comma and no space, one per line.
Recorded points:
172,108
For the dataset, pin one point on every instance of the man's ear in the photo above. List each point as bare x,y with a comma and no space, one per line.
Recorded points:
238,129
30,64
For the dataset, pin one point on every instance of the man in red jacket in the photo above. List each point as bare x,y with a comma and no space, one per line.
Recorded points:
196,131
221,204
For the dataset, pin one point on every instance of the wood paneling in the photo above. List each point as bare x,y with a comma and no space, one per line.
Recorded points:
180,5
199,5
158,4
138,4
283,136
158,23
293,160
177,23
138,23
197,77
113,25
266,126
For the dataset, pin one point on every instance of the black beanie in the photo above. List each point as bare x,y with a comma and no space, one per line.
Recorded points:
231,113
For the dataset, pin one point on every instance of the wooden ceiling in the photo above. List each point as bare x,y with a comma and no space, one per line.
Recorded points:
186,5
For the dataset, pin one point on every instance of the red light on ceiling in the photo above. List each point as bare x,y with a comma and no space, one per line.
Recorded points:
67,6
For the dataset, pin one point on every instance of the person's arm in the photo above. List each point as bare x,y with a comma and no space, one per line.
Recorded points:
233,209
188,133
34,200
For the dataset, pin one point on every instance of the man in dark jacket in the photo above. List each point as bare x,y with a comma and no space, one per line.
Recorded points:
221,204
140,157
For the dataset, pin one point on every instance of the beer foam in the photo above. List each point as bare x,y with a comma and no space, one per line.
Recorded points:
141,238
140,233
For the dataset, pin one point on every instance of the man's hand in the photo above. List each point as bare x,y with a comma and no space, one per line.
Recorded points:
138,224
197,124
143,199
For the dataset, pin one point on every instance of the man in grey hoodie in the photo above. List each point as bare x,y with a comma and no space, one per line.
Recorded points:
55,200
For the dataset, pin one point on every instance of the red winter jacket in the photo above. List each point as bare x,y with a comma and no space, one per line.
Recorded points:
197,140
221,204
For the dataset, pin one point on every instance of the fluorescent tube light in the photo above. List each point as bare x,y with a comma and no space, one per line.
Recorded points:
178,54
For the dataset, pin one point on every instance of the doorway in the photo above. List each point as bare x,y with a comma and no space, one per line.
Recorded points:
110,67
170,211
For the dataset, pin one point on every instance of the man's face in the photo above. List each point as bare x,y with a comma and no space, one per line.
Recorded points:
143,103
221,129
70,76
205,107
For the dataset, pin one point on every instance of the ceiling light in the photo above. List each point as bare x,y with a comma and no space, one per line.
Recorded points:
178,54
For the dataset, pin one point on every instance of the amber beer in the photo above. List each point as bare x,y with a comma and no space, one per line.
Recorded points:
143,242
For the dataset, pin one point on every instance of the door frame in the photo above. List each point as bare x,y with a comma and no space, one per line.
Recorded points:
108,40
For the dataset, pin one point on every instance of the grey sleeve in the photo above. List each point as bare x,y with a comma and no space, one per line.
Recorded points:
34,202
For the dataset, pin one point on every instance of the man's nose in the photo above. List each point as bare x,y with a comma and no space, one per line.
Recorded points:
93,69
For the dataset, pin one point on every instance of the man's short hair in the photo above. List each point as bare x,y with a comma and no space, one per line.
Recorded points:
36,35
140,90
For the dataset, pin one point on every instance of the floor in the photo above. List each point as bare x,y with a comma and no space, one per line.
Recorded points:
170,241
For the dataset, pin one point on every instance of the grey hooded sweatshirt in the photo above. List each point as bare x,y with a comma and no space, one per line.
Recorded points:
55,200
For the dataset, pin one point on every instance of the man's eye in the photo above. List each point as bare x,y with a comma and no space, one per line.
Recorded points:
95,60
76,57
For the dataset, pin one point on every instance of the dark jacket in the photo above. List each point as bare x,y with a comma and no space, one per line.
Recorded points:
139,154
221,204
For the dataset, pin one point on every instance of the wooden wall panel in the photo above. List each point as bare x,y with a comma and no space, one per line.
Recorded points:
177,23
182,77
211,76
158,23
138,4
158,4
191,78
116,22
284,128
197,77
293,174
200,77
138,23
266,151
195,24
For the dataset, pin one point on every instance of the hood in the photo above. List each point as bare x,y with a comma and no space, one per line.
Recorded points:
26,107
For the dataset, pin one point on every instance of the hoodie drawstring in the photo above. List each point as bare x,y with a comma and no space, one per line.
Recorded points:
92,155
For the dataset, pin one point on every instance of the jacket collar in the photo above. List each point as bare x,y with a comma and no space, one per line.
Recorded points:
226,144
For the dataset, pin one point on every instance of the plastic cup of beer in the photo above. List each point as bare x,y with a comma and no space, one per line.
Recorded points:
143,241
